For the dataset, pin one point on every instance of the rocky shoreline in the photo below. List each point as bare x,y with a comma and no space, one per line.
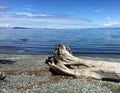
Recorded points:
30,74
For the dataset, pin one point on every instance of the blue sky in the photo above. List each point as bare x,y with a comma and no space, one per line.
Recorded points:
60,13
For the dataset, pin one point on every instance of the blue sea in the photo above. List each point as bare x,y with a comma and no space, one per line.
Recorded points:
96,42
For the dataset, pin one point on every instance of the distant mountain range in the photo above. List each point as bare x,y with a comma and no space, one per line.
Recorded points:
20,28
54,28
14,28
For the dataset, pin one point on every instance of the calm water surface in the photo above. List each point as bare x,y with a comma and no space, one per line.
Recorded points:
84,42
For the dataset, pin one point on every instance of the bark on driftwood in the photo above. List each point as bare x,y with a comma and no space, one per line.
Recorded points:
65,63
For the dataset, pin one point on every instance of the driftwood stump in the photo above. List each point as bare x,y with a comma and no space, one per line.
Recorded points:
65,63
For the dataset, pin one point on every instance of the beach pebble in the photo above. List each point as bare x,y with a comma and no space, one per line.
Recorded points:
42,81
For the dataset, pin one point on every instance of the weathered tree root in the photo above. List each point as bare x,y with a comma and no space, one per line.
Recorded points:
65,63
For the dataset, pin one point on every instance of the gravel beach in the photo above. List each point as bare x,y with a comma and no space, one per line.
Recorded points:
30,74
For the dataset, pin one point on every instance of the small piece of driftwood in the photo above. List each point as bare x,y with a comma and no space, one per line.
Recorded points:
2,76
65,63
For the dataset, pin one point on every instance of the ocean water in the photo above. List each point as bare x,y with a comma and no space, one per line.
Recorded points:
83,42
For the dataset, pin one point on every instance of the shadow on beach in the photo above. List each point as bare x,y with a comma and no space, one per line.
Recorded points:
6,61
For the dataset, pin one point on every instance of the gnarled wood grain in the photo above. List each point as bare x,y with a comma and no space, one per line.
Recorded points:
65,63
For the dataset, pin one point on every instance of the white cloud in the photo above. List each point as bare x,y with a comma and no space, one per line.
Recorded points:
27,7
42,20
97,10
23,14
112,24
5,25
109,18
4,8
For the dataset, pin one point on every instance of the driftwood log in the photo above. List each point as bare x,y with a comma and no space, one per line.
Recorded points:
65,63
